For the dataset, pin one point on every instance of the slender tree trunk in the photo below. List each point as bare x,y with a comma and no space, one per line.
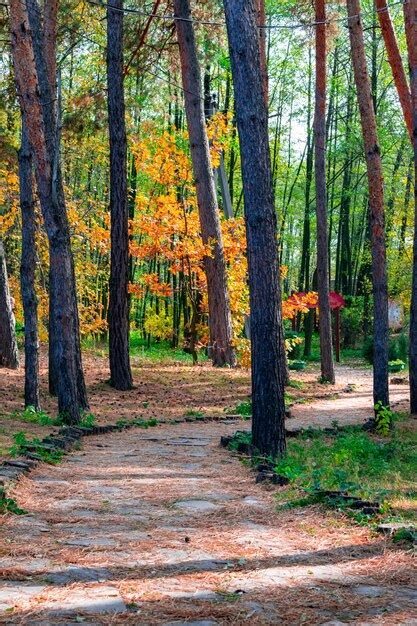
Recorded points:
268,432
304,277
410,18
220,321
9,354
120,371
376,203
37,104
396,63
326,353
27,273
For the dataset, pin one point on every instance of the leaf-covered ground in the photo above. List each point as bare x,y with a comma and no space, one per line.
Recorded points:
174,389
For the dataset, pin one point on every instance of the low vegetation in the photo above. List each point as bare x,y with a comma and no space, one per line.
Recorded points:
351,462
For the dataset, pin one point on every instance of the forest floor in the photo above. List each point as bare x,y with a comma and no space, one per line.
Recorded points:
175,390
162,526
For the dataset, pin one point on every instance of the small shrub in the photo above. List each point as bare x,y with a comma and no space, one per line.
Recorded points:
368,350
383,419
88,420
32,416
240,437
22,443
244,409
9,505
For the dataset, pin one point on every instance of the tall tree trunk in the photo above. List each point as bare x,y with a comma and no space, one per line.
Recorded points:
396,63
304,277
120,371
37,105
376,203
268,431
9,354
410,18
27,272
220,320
260,7
326,353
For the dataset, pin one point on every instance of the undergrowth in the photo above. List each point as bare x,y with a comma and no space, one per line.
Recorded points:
22,444
353,462
9,505
32,416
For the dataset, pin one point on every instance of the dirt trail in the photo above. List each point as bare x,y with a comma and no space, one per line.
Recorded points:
352,407
164,527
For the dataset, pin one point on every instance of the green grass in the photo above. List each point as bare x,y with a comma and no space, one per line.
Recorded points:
353,461
9,505
31,416
158,352
193,413
353,356
244,409
22,443
296,384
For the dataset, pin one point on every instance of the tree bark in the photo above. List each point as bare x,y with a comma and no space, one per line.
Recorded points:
9,354
376,203
120,371
220,321
396,63
27,272
410,19
260,7
37,105
326,352
268,410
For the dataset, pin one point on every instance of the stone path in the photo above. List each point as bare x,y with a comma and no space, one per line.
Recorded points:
163,526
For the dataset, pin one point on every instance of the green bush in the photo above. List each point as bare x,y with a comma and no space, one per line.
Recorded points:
352,321
397,348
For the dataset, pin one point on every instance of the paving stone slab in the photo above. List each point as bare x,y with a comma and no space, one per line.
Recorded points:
188,441
11,594
251,501
371,591
202,594
196,506
89,600
78,574
92,542
31,566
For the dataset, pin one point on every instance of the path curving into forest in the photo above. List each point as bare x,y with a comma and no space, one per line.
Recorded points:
351,403
163,526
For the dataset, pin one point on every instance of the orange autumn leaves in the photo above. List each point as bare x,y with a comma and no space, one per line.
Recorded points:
166,228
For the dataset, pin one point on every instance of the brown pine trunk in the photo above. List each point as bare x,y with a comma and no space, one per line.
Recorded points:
27,273
326,353
9,355
37,105
376,203
268,410
396,63
120,371
220,321
410,18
